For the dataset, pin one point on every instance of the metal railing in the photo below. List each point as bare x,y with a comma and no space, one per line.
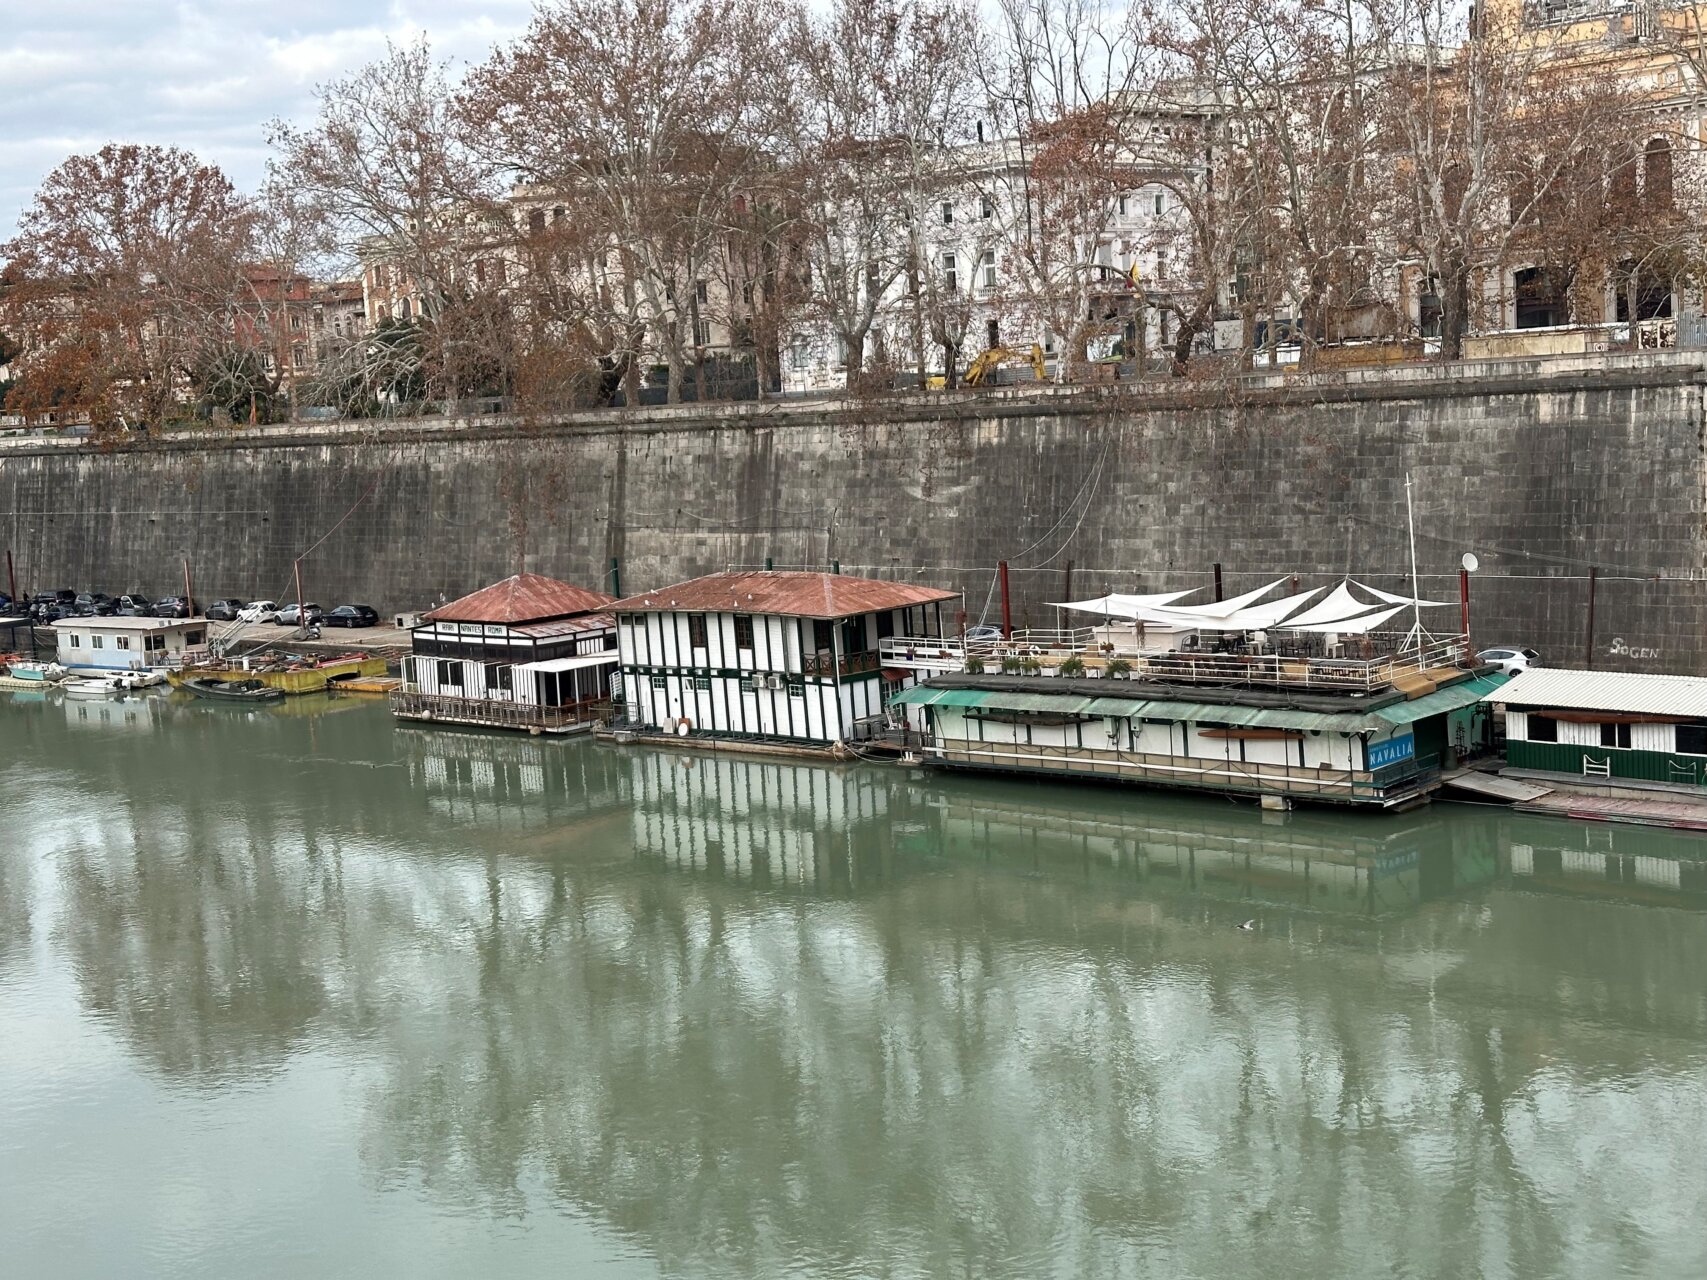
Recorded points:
825,663
1032,654
503,715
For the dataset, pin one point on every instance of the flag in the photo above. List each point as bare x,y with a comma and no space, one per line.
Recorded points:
1132,274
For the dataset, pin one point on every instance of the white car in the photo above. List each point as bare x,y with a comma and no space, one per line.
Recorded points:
1510,659
258,611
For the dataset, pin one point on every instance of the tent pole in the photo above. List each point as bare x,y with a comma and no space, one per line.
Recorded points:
1416,593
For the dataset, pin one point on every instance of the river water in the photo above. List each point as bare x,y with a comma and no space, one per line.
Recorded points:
299,992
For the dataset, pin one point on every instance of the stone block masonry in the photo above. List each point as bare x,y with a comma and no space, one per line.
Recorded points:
1540,468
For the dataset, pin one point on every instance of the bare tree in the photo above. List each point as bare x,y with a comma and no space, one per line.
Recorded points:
122,273
641,112
1488,119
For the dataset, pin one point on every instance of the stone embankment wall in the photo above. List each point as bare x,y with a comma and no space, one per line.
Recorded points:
1541,468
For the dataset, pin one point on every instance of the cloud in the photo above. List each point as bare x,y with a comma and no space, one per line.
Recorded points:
205,75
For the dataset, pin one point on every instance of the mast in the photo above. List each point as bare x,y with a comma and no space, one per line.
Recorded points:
1416,594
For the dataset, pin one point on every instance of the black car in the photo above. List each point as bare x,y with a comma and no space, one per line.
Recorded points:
353,615
133,606
93,604
48,612
224,610
174,607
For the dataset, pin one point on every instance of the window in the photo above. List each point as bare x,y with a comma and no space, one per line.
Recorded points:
154,642
98,642
747,292
1160,198
1656,174
950,278
1615,735
659,683
799,354
746,684
121,642
450,675
296,324
1161,265
986,206
696,630
702,684
1692,739
947,213
1122,204
993,334
797,688
298,358
743,631
498,676
536,220
700,293
75,642
702,333
1543,728
191,638
990,269
558,214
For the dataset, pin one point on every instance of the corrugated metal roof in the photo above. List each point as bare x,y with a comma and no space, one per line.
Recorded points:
525,597
1117,707
1258,717
1453,697
788,592
567,626
1682,697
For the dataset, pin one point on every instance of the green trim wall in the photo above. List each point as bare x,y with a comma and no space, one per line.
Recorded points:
1565,757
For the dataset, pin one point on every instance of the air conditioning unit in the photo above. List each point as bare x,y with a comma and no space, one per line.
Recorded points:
774,682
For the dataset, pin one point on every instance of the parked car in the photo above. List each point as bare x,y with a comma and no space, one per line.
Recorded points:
48,612
353,615
288,616
259,611
9,606
133,606
1510,659
224,610
983,632
174,607
93,604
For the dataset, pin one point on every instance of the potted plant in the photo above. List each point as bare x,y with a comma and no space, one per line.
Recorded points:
974,665
1030,666
1011,665
1118,669
1073,666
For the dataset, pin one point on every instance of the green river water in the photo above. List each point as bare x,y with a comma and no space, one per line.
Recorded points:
299,992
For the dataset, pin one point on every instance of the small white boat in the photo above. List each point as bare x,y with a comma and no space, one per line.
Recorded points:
104,686
140,679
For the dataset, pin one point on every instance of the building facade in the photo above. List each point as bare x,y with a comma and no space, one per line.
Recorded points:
768,654
127,644
529,652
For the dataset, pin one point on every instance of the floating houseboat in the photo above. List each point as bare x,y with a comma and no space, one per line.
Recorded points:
1606,725
776,656
127,644
529,653
1300,698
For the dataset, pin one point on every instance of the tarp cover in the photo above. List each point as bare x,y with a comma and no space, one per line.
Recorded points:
1389,598
1347,626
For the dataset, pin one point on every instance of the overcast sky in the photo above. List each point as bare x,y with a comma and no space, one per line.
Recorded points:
206,75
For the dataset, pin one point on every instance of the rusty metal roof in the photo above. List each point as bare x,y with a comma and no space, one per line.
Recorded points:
526,597
793,593
566,626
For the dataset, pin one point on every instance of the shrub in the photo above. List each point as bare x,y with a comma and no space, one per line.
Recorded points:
1118,668
974,665
1073,666
1011,665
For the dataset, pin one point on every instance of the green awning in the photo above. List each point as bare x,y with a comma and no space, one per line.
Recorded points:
1259,717
1119,708
1454,697
917,696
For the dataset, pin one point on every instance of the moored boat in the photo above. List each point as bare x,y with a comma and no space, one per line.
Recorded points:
94,686
233,690
39,672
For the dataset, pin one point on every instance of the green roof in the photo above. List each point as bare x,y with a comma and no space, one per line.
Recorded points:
1454,697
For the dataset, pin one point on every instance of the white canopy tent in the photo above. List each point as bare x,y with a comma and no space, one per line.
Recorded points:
1117,605
1348,626
1222,608
1252,618
1387,597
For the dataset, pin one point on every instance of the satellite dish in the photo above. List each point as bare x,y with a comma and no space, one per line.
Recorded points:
1470,563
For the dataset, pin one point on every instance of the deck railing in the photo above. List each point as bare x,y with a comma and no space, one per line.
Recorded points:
503,715
1390,784
825,663
1029,654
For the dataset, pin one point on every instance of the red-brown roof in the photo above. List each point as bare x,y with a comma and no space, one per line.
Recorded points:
804,595
527,597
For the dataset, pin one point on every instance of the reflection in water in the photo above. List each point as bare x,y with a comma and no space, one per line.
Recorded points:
756,1017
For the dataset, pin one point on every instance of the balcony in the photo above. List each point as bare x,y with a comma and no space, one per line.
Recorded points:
826,663
490,713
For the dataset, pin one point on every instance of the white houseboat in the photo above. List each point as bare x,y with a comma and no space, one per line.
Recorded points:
529,652
127,644
774,655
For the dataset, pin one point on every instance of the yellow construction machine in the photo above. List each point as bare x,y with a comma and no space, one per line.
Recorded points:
989,360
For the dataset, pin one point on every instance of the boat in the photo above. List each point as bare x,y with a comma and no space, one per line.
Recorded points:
234,690
140,679
37,672
104,686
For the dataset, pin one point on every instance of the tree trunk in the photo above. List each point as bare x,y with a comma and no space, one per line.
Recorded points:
855,361
1454,309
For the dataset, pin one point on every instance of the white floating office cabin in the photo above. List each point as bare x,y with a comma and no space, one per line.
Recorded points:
772,654
529,652
127,644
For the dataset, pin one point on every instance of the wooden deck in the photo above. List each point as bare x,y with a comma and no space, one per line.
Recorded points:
1656,811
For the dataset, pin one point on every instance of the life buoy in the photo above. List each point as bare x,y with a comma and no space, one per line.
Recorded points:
683,727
